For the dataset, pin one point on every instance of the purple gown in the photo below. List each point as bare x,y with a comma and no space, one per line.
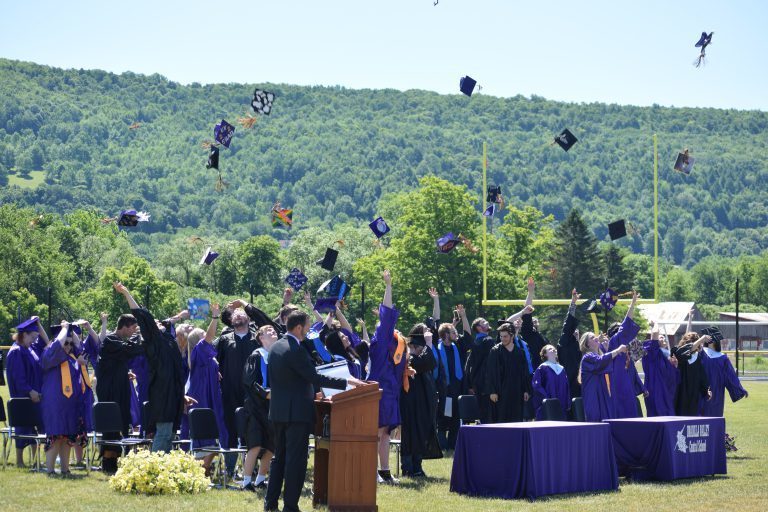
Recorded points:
61,415
661,380
625,382
91,348
205,388
548,383
598,404
24,373
721,376
383,368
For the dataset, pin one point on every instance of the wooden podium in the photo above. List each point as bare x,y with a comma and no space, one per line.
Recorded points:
346,456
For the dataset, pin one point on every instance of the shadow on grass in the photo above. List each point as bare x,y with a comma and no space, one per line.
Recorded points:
678,482
420,483
555,498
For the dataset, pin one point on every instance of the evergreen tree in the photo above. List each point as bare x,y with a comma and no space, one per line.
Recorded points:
576,260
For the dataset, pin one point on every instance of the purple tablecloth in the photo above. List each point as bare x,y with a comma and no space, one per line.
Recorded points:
528,460
669,447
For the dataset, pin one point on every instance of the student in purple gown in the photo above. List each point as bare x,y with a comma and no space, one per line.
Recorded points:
92,339
694,384
388,359
721,376
509,382
259,435
25,372
204,385
661,375
625,382
568,350
594,374
550,381
64,385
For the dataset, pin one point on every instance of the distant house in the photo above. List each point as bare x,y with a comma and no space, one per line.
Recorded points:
672,317
751,336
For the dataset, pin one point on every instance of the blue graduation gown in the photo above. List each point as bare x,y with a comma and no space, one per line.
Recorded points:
547,383
625,382
62,415
205,388
383,368
598,405
721,376
661,380
24,374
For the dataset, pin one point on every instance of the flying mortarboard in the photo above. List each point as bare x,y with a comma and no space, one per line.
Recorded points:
379,227
296,279
282,215
608,299
132,217
490,211
494,194
334,288
325,305
262,101
467,85
566,139
704,40
593,307
684,162
28,325
213,158
329,260
447,243
617,229
208,257
223,133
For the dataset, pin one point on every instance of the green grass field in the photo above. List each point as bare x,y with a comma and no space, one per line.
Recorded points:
34,179
745,488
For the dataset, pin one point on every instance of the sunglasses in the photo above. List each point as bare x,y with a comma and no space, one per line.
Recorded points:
68,343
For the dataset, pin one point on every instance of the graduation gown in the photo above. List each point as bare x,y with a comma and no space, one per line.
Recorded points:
598,405
112,374
507,376
569,354
721,376
204,387
62,415
418,408
232,352
550,381
661,380
693,381
450,383
383,368
533,338
625,382
91,348
475,371
166,373
25,373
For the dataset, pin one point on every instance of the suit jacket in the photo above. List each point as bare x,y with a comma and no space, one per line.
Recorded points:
293,379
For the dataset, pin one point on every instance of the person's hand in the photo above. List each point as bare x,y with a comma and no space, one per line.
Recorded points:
527,310
355,382
690,313
131,375
526,396
308,299
410,371
428,337
215,311
337,306
704,339
184,314
622,348
460,309
220,377
35,396
709,395
531,285
673,361
433,293
287,294
494,397
103,316
319,395
471,391
188,402
81,361
269,395
120,287
236,304
387,277
635,296
361,322
575,295
646,393
654,331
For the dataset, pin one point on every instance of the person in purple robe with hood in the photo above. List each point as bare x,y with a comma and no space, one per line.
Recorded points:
25,372
550,381
661,375
86,402
625,382
65,380
388,359
721,376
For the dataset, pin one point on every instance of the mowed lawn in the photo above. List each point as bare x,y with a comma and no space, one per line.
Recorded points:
745,488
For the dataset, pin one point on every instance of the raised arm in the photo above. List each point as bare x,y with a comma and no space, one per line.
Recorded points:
689,327
631,309
363,331
342,319
531,290
464,320
575,296
311,307
435,303
103,332
122,290
41,332
213,327
287,295
525,311
387,300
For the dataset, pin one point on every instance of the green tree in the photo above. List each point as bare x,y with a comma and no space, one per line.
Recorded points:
258,264
576,259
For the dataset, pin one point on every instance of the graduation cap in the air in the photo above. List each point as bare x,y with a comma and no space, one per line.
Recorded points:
329,260
28,325
296,279
262,101
566,139
490,211
213,158
713,332
131,218
335,288
447,243
223,133
684,162
208,256
704,40
617,229
379,227
282,215
608,299
325,304
494,194
467,85
593,306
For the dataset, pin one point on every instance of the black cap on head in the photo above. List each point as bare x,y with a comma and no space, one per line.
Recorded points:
418,340
617,229
329,260
566,139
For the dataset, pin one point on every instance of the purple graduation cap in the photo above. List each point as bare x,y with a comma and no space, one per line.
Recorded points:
704,40
326,304
490,211
56,329
262,101
608,299
208,257
296,279
379,227
132,217
446,244
28,325
223,133
334,288
467,85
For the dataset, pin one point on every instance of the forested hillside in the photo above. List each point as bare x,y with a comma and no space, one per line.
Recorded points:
332,153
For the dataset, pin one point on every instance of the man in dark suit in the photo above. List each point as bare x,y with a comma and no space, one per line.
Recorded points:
294,382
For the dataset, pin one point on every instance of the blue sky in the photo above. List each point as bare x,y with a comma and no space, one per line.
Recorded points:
637,53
